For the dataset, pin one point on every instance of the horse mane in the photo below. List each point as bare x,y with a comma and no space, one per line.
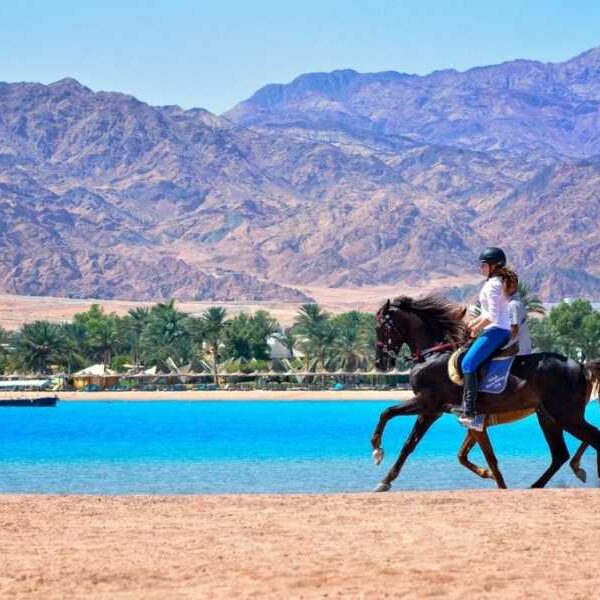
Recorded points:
439,315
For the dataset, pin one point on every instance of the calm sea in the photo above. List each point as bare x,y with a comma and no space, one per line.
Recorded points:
232,447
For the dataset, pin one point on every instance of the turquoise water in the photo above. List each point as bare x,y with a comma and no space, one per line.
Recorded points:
234,447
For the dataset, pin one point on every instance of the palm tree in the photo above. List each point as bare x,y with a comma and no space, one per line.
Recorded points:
39,345
310,319
532,304
214,323
317,334
137,322
76,335
353,346
195,328
319,346
288,340
105,338
5,340
166,334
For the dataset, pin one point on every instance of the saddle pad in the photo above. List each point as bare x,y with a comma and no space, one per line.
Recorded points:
495,375
492,376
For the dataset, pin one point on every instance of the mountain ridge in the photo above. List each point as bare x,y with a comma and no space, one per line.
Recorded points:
104,195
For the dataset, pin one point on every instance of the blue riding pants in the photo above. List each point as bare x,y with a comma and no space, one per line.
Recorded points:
483,347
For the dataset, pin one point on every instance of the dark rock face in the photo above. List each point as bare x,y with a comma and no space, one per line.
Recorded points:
337,179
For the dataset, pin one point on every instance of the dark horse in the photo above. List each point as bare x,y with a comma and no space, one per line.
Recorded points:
556,388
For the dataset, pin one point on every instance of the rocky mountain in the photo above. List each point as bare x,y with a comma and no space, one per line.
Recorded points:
520,106
93,188
336,180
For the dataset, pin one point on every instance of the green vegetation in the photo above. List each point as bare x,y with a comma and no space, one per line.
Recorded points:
571,328
163,336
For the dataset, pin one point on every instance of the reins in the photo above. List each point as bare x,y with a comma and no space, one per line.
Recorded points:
421,355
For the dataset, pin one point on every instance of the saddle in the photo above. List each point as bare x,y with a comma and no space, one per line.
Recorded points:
496,367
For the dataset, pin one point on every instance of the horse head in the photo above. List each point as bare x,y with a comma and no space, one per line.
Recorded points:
420,323
390,336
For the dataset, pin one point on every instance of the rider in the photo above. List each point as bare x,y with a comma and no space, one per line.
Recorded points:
491,328
517,314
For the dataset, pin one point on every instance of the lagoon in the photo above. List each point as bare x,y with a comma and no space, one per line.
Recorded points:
227,447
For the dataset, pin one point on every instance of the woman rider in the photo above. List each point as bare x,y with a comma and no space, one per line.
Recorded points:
491,328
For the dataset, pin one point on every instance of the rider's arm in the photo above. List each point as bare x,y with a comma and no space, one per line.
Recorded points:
493,291
478,324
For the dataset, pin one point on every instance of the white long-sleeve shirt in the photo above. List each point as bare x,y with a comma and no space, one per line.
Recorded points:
494,304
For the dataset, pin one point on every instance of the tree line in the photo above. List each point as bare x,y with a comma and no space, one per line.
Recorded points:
570,328
153,335
161,334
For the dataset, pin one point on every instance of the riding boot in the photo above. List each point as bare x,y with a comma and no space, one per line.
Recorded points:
469,402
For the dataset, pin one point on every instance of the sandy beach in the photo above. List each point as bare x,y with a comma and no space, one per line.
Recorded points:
475,544
291,395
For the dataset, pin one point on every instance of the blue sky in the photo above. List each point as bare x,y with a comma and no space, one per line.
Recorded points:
214,54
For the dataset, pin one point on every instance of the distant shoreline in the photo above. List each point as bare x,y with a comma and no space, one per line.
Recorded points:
224,395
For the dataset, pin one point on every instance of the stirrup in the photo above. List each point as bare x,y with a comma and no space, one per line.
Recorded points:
477,422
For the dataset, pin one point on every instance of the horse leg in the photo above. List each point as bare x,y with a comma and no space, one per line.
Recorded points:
556,442
575,463
411,407
481,437
463,458
585,431
424,422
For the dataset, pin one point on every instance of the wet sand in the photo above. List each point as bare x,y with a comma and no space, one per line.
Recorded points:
291,395
457,545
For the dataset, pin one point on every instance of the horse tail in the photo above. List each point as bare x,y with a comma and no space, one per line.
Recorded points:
592,374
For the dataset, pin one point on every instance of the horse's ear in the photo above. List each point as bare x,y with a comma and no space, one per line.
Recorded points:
386,306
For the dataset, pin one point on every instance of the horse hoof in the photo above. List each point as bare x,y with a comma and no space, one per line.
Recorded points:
377,455
383,487
580,474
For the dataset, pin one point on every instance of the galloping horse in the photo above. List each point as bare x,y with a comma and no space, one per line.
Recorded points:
556,388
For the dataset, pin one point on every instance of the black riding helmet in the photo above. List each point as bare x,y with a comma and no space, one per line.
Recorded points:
493,256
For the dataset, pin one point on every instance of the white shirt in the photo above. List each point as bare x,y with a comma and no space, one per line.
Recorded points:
494,304
518,316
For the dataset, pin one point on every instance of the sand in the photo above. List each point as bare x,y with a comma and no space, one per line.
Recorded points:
457,545
290,395
16,310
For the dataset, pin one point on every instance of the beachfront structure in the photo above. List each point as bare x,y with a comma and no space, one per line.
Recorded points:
98,375
277,351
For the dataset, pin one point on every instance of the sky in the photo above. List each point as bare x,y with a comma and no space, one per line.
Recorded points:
214,54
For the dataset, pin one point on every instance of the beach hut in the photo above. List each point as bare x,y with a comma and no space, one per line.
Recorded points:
96,375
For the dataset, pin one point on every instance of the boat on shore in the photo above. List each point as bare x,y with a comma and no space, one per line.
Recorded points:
42,401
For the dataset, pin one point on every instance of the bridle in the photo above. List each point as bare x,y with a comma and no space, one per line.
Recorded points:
385,320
